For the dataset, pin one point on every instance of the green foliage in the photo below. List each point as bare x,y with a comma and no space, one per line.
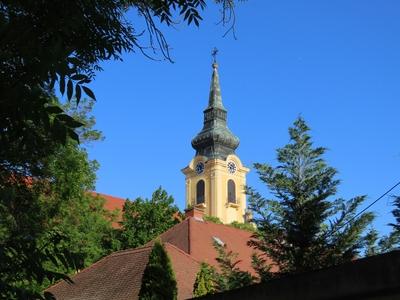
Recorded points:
245,226
79,36
212,219
262,267
396,214
301,228
76,46
158,279
376,244
21,256
230,276
49,225
205,281
144,220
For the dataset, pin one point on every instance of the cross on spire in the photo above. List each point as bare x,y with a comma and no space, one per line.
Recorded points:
215,140
214,54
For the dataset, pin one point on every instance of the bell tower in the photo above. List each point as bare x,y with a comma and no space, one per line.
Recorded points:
215,177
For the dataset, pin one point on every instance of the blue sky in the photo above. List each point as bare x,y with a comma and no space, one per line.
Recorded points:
336,63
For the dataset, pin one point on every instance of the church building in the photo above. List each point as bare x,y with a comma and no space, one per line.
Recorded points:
215,180
215,177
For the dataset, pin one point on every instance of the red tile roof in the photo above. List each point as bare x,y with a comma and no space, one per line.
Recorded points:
196,238
112,204
187,243
117,276
185,269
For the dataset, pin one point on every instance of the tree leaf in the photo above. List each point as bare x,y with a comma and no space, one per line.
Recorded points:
53,81
79,77
54,109
62,84
70,89
78,93
89,92
73,135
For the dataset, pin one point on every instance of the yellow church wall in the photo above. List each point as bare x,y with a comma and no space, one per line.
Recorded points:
216,176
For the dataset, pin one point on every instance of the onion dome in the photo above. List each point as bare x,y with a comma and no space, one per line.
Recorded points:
215,140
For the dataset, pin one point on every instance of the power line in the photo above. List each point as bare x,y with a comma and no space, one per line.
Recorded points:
366,208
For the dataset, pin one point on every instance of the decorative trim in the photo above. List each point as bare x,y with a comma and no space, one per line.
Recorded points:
201,205
233,205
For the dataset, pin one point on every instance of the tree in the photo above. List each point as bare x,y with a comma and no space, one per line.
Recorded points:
393,240
396,214
79,36
69,208
302,228
158,279
230,276
50,226
376,244
145,219
205,281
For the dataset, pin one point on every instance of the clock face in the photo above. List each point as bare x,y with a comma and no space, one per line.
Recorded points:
231,167
199,167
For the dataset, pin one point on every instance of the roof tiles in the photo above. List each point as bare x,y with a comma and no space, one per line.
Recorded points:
118,276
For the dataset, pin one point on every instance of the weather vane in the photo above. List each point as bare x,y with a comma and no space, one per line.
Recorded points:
214,54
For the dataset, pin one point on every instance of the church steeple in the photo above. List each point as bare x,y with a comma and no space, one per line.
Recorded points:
215,99
215,140
215,176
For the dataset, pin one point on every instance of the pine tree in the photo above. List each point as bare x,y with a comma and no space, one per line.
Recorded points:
229,276
393,239
158,279
396,214
302,228
204,283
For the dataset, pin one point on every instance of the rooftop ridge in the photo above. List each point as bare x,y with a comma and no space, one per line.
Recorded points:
95,264
170,229
106,195
181,251
129,251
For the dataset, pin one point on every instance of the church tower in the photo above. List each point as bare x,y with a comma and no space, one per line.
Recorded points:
215,177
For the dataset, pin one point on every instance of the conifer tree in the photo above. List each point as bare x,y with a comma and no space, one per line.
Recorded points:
230,276
392,240
396,214
204,283
301,227
158,279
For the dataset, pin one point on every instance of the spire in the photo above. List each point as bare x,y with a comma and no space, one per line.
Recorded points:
215,99
215,140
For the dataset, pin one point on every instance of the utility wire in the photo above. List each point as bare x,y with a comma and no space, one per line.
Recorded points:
366,208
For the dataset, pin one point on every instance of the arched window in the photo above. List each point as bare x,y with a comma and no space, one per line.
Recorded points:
200,187
231,191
